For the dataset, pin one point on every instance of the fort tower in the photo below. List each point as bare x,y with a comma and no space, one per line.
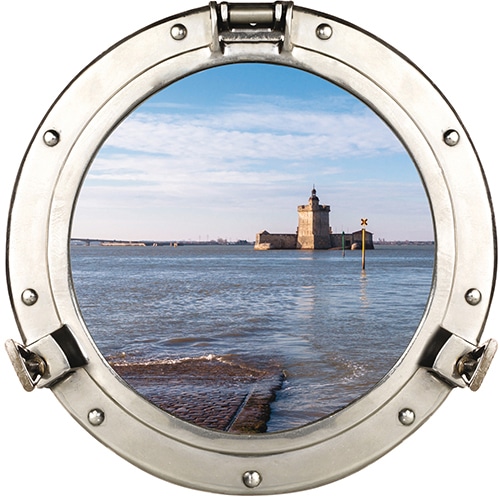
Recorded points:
313,232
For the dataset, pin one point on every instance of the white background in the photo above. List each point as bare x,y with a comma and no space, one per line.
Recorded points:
44,45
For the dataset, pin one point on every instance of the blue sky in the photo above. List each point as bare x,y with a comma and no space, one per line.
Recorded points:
233,150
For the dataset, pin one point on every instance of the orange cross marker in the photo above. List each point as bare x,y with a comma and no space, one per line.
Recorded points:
364,222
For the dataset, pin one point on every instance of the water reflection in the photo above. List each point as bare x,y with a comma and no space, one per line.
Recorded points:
363,295
306,301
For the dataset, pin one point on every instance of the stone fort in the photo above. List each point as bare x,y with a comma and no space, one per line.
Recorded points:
313,232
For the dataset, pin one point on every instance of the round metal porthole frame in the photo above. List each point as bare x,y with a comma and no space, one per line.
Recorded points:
58,351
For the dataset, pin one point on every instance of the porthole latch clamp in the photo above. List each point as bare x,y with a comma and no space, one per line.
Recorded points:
473,366
46,361
463,364
238,25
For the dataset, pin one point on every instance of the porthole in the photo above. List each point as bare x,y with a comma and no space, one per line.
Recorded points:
58,351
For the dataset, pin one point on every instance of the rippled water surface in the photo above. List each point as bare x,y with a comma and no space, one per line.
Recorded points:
333,329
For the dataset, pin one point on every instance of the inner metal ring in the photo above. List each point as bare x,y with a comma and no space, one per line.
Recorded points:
115,84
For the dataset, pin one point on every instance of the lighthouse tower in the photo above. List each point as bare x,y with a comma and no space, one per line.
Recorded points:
313,232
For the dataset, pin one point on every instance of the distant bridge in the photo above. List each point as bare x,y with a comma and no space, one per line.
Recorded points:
149,243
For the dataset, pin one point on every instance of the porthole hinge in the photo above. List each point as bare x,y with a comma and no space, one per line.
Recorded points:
463,364
240,24
46,361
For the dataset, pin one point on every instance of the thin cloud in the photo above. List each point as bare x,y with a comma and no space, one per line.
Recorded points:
238,134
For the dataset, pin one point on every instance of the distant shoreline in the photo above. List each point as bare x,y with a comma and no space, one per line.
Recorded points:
403,243
220,242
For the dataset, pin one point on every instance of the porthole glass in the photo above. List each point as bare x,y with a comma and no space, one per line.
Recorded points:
170,227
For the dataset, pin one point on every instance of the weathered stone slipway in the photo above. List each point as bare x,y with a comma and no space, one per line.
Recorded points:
210,393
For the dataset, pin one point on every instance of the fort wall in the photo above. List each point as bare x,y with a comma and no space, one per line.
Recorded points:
268,241
352,241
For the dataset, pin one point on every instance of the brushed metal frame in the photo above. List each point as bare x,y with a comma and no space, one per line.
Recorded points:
41,214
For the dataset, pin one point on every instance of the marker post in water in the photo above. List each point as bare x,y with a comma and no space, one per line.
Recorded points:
364,222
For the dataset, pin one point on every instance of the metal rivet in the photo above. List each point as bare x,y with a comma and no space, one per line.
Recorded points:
451,137
29,297
252,479
324,31
178,32
407,416
51,138
96,416
473,296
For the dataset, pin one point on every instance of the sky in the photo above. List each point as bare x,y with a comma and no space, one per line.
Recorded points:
231,151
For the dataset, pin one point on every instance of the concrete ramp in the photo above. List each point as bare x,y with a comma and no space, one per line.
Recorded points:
209,392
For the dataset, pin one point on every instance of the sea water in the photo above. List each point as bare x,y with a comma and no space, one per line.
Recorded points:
334,329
